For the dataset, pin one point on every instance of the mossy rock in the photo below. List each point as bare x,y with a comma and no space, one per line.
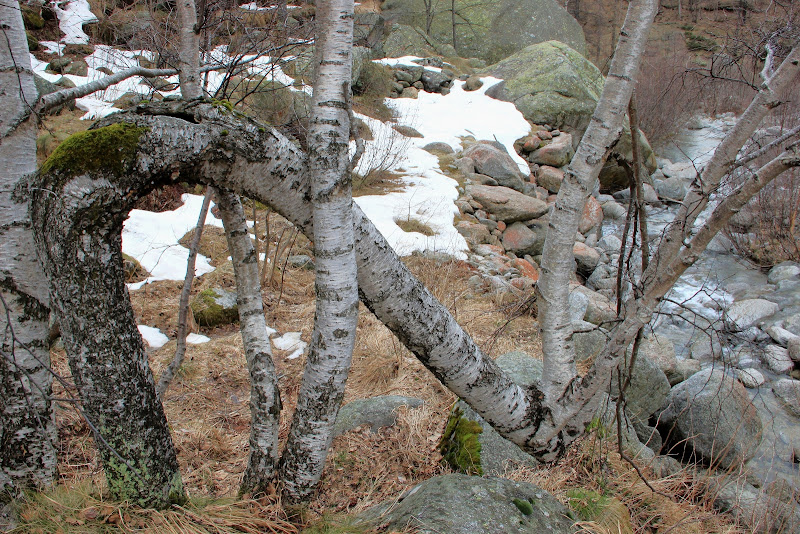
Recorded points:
549,83
459,504
33,19
109,149
215,307
33,42
134,272
469,445
487,30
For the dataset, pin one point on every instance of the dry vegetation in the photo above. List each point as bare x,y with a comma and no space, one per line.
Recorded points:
207,408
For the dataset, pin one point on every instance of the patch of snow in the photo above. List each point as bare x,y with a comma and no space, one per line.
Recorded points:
197,339
429,196
152,238
406,61
290,341
52,47
152,336
71,18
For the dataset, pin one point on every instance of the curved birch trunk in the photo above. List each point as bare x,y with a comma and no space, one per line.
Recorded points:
333,338
265,400
27,428
77,232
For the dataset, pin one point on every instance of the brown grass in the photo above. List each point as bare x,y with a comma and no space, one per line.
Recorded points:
207,408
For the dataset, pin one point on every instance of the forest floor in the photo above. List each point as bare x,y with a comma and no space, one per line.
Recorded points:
207,407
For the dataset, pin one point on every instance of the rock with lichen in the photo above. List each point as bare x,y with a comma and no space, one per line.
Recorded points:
215,307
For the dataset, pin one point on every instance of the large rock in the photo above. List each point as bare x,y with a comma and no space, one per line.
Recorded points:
506,204
777,359
647,391
592,215
473,447
215,307
491,30
550,178
521,239
712,415
549,83
788,392
599,310
492,161
661,351
557,153
376,412
588,341
407,40
586,258
746,313
787,270
459,504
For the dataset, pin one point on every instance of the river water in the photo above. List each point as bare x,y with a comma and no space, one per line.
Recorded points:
697,301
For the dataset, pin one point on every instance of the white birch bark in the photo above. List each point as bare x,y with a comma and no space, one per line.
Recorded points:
189,51
27,429
559,370
333,338
265,400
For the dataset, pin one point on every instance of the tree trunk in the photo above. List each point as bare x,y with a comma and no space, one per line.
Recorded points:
265,400
189,51
333,338
78,237
579,181
27,428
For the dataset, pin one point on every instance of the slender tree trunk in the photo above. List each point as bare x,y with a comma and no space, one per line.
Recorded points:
27,428
265,400
602,134
333,338
189,51
183,304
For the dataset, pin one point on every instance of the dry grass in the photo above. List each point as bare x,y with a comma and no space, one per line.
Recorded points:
208,411
594,465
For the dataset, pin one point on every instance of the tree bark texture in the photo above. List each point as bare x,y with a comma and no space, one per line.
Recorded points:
559,372
189,51
27,428
77,231
265,400
333,338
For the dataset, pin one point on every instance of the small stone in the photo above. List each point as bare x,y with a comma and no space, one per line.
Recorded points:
777,359
750,378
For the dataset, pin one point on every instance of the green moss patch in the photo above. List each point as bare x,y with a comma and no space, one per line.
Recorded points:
208,311
109,149
460,445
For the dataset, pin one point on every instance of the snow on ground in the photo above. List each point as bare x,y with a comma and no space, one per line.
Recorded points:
152,238
429,196
197,339
290,341
153,336
72,15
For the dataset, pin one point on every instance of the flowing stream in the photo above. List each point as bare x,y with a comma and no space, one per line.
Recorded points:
697,301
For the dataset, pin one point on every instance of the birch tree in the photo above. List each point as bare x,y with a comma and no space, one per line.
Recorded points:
27,428
333,338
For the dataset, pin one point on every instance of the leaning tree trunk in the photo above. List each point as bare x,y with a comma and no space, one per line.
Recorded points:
333,338
78,236
265,400
27,428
